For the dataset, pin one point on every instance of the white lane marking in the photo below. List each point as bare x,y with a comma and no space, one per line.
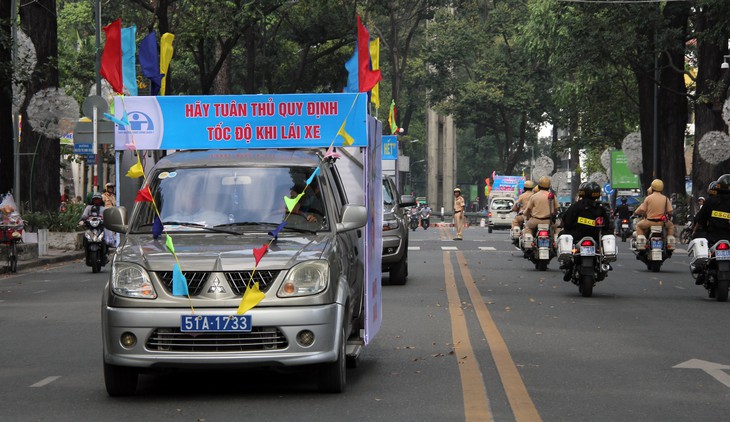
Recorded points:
449,248
39,292
414,248
45,381
487,248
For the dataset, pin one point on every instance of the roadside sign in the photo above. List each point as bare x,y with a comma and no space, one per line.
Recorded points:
390,147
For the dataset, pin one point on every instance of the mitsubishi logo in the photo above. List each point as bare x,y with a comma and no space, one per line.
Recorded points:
216,286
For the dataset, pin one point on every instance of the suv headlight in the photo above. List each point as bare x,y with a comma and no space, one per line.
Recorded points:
305,279
130,280
390,225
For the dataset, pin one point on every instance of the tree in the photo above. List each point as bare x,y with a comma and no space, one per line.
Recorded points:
40,154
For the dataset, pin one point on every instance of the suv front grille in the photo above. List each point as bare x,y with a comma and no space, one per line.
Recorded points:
239,280
173,340
236,279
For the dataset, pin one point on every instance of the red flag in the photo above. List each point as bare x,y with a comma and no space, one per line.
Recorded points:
111,58
367,77
144,195
258,253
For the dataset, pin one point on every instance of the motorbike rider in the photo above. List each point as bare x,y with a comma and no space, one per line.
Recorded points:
97,205
542,207
622,212
425,215
585,218
521,203
658,211
713,220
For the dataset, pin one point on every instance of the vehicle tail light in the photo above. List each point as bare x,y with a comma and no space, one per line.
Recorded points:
586,243
624,221
490,214
543,233
723,247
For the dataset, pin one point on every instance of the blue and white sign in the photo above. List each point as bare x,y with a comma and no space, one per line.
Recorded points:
390,147
607,189
242,121
84,149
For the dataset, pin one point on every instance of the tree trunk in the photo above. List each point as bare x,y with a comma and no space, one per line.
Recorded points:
222,81
7,158
40,164
708,110
673,103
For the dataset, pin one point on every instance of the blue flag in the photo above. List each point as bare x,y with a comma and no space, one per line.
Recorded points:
275,233
179,283
157,228
149,60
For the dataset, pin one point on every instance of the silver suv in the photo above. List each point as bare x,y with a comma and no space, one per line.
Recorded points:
219,208
395,233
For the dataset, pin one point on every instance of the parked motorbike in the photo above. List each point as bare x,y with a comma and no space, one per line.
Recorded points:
655,249
413,219
710,266
94,244
686,234
585,262
540,249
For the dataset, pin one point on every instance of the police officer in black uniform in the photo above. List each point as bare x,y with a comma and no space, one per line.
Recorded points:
586,217
623,212
713,219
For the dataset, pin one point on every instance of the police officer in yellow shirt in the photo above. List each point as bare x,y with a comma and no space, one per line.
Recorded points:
542,206
658,211
521,204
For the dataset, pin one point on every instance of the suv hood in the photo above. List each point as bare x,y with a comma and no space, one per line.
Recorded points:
222,252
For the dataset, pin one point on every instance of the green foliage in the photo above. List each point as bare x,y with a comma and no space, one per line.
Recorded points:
56,221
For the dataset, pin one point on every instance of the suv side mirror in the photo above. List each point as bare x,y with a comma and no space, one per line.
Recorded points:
353,217
407,200
115,219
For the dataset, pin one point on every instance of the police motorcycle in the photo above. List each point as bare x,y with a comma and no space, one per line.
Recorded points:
413,218
655,249
584,261
516,232
541,248
95,246
710,266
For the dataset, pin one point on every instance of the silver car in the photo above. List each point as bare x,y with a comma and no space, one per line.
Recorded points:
219,208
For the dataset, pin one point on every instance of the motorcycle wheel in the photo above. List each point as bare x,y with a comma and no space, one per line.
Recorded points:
586,285
13,258
623,236
542,265
654,266
722,290
95,261
489,229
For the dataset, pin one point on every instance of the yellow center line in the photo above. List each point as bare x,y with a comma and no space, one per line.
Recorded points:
520,401
476,403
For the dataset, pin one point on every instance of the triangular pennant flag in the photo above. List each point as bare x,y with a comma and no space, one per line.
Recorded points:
144,195
136,171
124,121
168,243
346,136
157,228
251,298
259,253
179,282
331,153
275,233
291,202
131,147
311,178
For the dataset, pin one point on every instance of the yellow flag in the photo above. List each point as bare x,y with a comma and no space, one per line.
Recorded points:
375,62
136,170
166,51
292,202
346,136
251,298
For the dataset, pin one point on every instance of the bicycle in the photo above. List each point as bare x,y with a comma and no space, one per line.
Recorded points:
10,235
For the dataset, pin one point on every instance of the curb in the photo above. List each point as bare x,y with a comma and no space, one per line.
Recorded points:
44,260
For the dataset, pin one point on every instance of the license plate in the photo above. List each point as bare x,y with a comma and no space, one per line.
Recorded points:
587,250
624,226
215,323
722,255
657,244
543,254
543,243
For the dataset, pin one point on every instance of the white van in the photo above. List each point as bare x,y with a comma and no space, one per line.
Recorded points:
500,214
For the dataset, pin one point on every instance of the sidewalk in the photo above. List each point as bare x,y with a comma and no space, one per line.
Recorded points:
54,256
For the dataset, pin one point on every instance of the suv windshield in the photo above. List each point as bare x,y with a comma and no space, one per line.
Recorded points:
233,198
502,204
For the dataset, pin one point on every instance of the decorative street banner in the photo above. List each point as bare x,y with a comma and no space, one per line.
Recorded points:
508,183
621,176
241,121
390,147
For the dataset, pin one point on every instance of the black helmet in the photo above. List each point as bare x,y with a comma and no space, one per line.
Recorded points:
623,199
723,184
582,190
592,191
712,189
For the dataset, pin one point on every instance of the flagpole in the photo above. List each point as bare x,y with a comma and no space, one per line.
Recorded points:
97,65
